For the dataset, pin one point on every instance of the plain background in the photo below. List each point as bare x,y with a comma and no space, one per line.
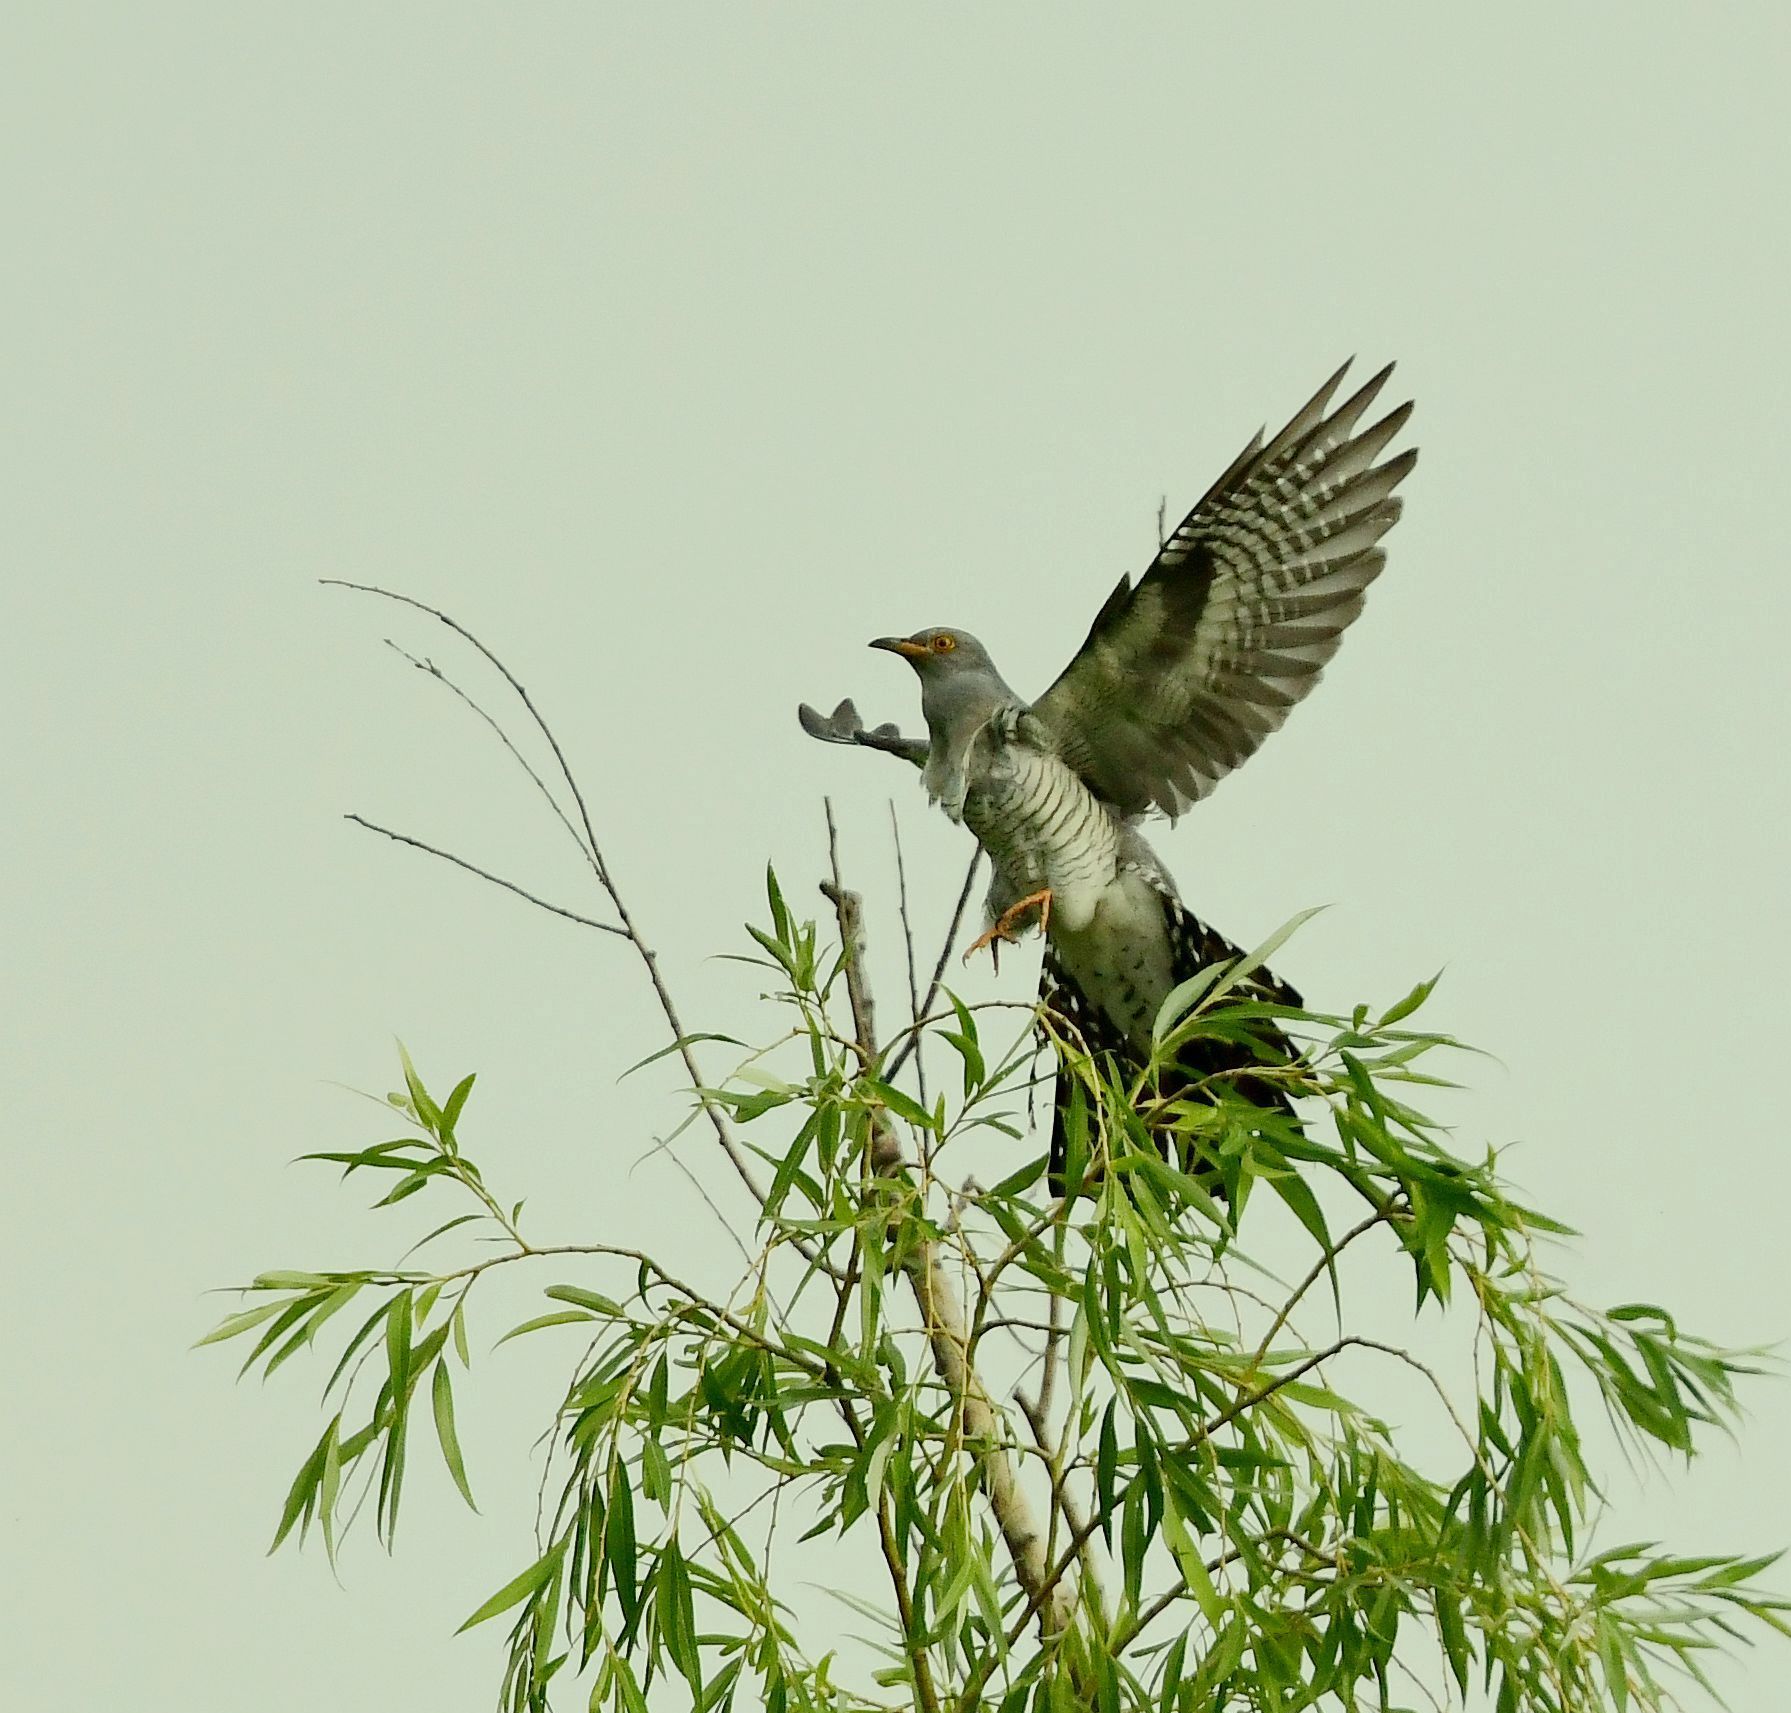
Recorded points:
678,351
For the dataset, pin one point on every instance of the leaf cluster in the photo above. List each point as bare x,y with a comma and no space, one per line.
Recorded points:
1223,1518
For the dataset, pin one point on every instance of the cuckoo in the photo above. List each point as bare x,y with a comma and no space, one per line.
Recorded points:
1180,678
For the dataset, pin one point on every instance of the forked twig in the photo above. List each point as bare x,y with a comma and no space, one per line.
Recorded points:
593,852
485,874
1067,1505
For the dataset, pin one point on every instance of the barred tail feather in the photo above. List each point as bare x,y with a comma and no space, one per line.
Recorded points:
1196,947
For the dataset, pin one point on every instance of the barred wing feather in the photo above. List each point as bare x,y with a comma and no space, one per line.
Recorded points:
1182,677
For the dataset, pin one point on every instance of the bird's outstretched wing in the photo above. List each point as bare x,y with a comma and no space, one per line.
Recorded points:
1182,677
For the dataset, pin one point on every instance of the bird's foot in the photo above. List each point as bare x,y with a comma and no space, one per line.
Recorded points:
1004,925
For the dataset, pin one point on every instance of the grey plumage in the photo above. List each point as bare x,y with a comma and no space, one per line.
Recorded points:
1178,681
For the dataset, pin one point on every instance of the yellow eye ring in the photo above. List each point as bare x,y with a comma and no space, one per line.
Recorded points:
943,644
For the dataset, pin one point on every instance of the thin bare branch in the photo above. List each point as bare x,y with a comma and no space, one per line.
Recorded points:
1075,1518
914,1011
932,993
429,669
718,1119
1384,1212
593,854
486,874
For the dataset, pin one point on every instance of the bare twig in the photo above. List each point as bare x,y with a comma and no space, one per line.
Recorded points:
592,853
485,874
718,1119
1384,1212
1053,1350
431,670
1066,1502
920,1058
932,993
849,911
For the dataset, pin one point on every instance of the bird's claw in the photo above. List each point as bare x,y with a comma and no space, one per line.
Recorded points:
1004,925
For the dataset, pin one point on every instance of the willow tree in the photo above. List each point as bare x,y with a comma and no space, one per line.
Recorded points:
1095,1449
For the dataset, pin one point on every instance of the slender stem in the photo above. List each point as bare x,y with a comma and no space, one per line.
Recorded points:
430,669
1068,1505
911,1635
920,1057
1053,1343
718,1119
849,911
485,874
1036,1598
1325,1260
531,1252
1128,1633
932,993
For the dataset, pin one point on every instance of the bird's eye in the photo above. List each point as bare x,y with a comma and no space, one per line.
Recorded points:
944,643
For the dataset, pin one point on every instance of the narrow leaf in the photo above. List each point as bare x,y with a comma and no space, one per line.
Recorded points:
442,1397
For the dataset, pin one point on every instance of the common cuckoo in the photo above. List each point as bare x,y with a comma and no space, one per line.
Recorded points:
1180,679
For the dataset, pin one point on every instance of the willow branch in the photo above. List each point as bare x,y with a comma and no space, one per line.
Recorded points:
947,1330
913,1638
1069,1507
1326,1259
431,670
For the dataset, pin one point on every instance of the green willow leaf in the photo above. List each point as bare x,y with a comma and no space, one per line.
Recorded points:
522,1587
442,1400
619,1546
561,1317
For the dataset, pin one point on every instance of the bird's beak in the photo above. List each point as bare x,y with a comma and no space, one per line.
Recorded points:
902,646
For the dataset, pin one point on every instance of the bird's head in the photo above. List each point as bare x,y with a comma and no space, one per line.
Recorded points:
938,655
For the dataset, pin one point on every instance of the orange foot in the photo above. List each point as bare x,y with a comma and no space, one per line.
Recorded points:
1004,927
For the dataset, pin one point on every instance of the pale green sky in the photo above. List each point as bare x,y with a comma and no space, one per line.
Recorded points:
679,351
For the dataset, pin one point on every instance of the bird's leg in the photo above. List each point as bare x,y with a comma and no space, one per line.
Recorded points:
1004,925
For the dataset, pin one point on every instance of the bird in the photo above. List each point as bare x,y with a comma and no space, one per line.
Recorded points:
1180,679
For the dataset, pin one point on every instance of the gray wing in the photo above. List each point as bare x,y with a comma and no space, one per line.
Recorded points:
844,725
1182,677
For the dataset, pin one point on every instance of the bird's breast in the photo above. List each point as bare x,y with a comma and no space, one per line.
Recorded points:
1042,827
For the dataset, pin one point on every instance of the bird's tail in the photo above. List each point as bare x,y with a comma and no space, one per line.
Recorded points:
1210,1068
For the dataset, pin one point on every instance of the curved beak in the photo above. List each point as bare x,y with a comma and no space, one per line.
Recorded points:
902,646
